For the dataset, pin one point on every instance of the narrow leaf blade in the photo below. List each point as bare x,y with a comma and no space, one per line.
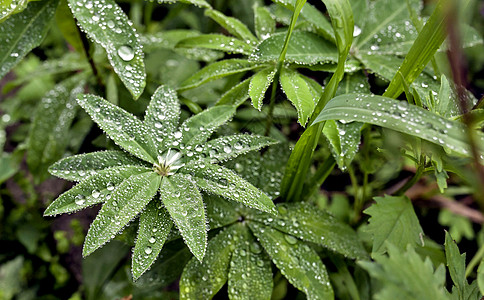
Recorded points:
259,84
299,93
216,42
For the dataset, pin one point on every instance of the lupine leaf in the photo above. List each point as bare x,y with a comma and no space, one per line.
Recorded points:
77,167
197,129
232,25
203,279
127,201
199,3
224,182
299,93
265,25
21,33
402,117
393,220
316,226
184,203
250,274
154,226
305,48
109,26
67,25
236,95
220,212
299,263
10,7
216,42
217,70
94,189
122,127
259,84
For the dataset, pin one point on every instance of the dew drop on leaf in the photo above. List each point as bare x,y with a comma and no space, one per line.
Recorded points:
148,250
126,53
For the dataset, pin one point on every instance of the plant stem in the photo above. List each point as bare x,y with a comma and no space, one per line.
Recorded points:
272,103
414,179
86,46
475,260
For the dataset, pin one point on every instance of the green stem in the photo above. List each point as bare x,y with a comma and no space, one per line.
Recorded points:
86,46
418,174
270,117
475,260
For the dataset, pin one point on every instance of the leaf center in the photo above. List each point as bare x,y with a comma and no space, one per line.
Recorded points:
168,163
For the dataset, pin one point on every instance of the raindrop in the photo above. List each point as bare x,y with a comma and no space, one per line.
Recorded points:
126,53
227,149
80,200
96,194
356,31
148,250
152,240
290,239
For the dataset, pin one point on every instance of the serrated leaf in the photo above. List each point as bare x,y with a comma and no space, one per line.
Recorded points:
264,23
216,42
109,26
51,123
456,263
203,279
393,220
224,182
402,117
184,203
316,226
233,26
126,201
217,70
237,95
122,127
305,48
197,129
259,84
299,263
154,226
250,274
21,33
94,189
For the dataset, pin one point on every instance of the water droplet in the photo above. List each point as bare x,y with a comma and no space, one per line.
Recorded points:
152,240
178,134
80,200
148,250
290,239
110,24
96,194
227,149
356,31
126,53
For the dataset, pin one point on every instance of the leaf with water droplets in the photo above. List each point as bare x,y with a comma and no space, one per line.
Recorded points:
51,123
232,25
197,129
122,127
109,26
299,93
162,115
224,182
344,140
217,70
237,95
216,42
259,84
264,23
311,224
77,167
203,279
184,203
127,200
94,189
228,147
299,263
220,212
21,33
250,274
402,117
10,7
199,3
305,49
154,226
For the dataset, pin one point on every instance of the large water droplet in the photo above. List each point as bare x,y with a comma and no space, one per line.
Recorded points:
80,200
126,53
148,250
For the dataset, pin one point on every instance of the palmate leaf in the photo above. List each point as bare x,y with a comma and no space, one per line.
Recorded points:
299,263
94,189
233,26
154,226
216,42
21,33
183,201
122,127
264,23
203,279
109,26
126,201
298,92
220,212
259,84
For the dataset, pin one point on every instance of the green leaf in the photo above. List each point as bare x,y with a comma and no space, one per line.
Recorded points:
154,226
305,48
480,276
217,70
216,42
8,167
233,26
344,140
77,167
67,25
109,26
126,201
299,93
199,3
237,95
197,129
224,182
122,127
393,220
456,264
299,263
51,123
21,33
402,117
203,279
250,274
311,224
265,25
10,7
220,212
184,203
259,84
96,188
